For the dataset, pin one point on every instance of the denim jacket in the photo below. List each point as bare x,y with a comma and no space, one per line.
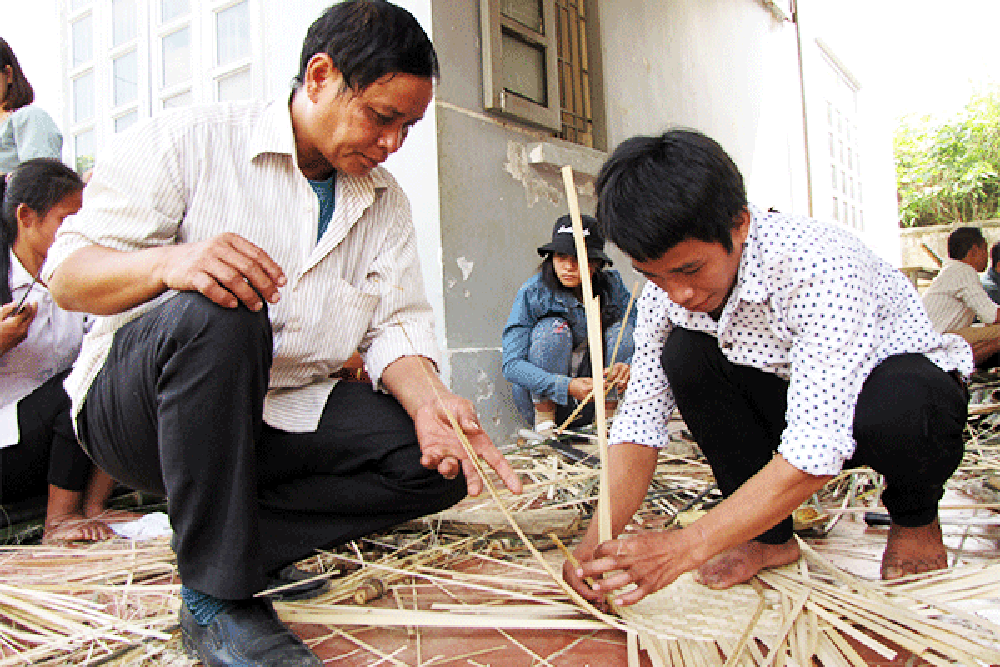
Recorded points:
535,301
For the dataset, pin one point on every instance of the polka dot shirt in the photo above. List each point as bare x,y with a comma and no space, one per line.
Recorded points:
813,305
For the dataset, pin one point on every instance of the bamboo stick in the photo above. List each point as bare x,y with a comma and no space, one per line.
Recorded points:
596,352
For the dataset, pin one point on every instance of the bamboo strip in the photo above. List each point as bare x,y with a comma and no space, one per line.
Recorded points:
596,346
301,612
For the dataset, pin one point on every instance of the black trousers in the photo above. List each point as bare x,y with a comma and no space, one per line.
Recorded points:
908,423
47,451
177,410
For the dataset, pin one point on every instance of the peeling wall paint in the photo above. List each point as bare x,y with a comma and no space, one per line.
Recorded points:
486,386
536,187
466,266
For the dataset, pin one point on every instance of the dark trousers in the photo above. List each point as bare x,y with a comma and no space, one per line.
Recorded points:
177,410
908,423
47,451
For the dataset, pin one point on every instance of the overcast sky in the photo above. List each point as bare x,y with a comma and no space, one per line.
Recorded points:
921,56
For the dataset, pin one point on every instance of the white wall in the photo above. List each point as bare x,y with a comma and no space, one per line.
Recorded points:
724,67
824,20
729,68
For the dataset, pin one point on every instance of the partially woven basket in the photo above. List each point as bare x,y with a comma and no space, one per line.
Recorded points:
686,609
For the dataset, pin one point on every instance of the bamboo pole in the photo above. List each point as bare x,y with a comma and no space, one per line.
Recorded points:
596,353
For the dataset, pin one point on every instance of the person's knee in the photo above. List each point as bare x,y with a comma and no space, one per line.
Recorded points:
911,413
232,329
551,330
688,357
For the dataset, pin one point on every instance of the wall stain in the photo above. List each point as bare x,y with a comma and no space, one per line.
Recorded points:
536,187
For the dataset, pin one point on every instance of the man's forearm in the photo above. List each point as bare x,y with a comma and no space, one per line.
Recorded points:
413,381
103,281
631,469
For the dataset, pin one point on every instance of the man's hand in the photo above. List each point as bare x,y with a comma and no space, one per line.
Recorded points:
584,553
443,451
14,328
650,560
227,269
617,375
580,388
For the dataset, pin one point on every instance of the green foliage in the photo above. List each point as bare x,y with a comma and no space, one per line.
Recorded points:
950,171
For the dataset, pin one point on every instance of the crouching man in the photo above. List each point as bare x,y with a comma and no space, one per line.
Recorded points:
791,350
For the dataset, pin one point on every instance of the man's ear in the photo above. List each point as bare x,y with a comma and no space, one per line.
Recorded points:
320,73
741,229
26,216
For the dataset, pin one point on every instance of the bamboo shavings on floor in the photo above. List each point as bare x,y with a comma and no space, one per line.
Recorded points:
81,604
815,612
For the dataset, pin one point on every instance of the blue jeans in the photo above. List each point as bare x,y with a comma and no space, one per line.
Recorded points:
552,350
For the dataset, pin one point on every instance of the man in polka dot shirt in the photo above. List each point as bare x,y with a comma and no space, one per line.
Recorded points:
791,350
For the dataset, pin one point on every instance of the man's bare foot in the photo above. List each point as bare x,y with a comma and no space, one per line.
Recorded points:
913,551
73,528
742,562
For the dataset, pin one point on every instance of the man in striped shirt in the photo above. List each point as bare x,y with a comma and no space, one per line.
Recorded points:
956,297
237,256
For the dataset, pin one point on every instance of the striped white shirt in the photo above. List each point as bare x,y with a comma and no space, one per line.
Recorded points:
189,175
956,297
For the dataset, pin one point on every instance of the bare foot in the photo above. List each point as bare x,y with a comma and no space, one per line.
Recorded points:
742,562
112,516
72,528
913,551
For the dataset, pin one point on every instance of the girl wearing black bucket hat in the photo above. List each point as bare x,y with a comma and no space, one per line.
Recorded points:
545,355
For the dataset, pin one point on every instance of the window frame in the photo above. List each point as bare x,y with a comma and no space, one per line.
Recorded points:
496,98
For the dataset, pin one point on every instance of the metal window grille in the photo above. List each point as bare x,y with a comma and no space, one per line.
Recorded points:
574,73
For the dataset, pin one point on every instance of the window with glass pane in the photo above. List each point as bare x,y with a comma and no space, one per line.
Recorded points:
124,21
83,97
83,40
122,123
83,147
523,69
171,9
179,100
126,73
232,31
78,4
526,12
177,57
238,86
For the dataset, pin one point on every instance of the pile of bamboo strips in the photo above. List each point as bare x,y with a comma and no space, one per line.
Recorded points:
61,605
813,612
115,603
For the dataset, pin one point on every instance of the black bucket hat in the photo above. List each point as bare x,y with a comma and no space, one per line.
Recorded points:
562,239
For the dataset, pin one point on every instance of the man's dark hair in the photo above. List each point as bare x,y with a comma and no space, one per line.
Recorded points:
995,255
654,192
964,239
368,39
19,93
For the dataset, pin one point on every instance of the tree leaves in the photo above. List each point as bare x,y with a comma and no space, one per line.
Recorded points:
949,171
